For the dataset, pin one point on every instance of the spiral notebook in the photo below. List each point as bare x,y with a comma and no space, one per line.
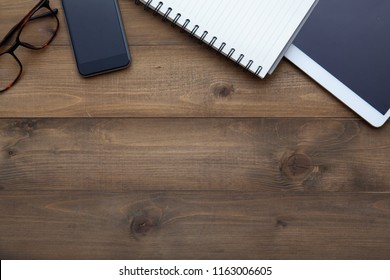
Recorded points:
253,33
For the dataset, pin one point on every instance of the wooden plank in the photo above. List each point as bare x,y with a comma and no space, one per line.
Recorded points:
194,154
193,225
195,82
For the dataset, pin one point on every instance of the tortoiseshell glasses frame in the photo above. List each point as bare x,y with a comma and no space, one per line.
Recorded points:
13,40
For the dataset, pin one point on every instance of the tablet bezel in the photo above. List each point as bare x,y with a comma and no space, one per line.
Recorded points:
336,87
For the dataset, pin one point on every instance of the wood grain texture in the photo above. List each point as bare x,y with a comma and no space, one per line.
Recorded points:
195,82
181,225
193,154
183,156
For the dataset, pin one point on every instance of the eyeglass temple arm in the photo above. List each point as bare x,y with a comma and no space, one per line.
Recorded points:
44,15
17,26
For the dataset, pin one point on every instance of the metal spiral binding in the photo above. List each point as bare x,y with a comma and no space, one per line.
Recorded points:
259,70
158,7
223,45
231,53
183,28
212,42
165,17
175,20
202,38
240,58
193,32
249,65
147,5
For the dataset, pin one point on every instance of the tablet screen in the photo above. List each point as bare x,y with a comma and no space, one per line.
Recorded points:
351,40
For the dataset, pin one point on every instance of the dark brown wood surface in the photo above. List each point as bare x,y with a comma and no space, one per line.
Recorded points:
183,156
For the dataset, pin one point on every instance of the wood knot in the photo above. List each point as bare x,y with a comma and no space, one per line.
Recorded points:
297,165
141,225
281,223
144,220
222,91
11,153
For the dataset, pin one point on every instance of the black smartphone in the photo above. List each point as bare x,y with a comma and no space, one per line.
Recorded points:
97,35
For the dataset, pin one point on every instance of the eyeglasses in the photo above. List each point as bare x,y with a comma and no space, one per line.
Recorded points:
35,31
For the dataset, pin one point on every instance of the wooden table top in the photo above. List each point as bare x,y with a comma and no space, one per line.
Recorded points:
183,156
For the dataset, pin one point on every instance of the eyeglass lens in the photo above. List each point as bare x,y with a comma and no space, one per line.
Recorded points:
40,29
9,70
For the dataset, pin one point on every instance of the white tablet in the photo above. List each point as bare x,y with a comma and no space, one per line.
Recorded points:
345,47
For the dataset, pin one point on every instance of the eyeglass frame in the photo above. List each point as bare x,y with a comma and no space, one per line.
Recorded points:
19,26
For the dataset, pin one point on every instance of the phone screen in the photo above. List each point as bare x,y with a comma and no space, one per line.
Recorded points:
98,39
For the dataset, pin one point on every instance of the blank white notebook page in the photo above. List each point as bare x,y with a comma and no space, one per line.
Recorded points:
252,32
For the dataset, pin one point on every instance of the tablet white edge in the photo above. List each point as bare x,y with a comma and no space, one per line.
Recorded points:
336,87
